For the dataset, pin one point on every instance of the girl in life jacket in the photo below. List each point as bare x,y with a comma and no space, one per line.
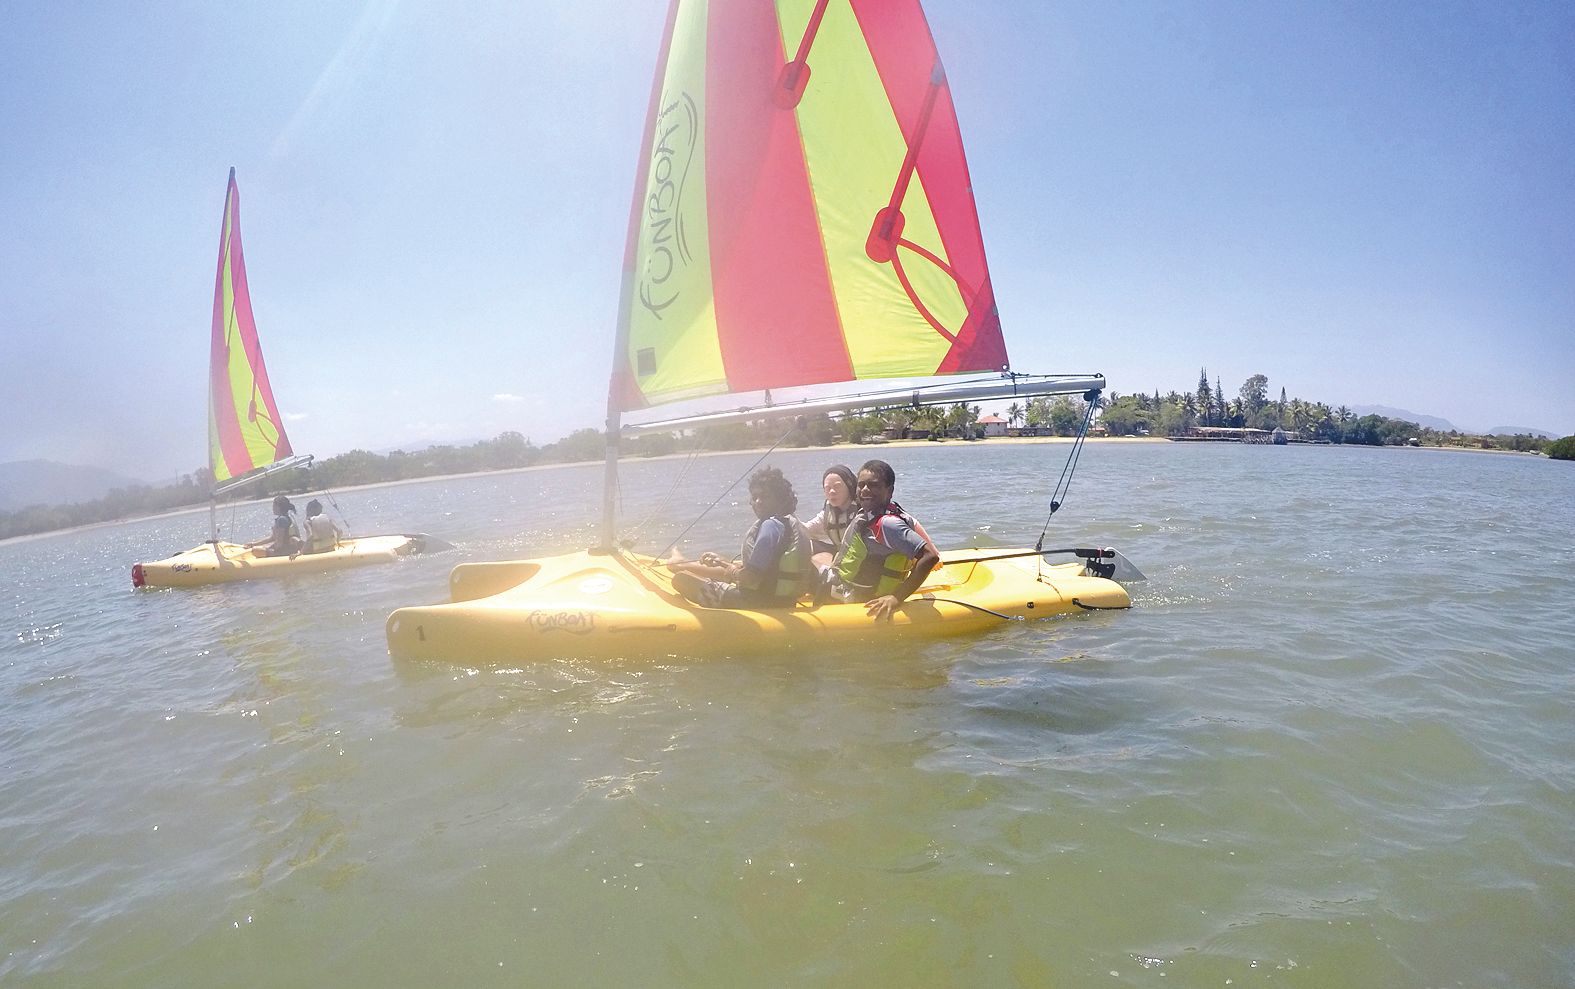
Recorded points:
828,527
282,539
885,555
320,533
774,568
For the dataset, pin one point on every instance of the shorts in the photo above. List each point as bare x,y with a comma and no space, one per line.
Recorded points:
720,594
712,593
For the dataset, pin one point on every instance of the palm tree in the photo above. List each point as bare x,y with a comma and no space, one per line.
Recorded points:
901,419
970,420
1014,414
1323,422
1295,414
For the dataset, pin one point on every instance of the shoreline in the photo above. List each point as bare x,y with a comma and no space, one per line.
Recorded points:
887,444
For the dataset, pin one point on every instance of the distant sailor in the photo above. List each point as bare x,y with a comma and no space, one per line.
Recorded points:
885,555
321,533
775,569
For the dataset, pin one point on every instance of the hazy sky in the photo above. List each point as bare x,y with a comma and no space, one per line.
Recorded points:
1367,202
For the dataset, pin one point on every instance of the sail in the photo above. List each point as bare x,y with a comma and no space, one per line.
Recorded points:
803,212
245,431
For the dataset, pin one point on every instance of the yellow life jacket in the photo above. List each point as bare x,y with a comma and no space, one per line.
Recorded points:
791,576
867,574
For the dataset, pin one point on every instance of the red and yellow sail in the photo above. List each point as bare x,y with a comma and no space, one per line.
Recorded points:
803,212
245,431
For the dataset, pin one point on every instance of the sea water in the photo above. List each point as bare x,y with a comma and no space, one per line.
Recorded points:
1332,744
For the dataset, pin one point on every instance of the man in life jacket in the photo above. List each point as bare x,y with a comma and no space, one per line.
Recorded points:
775,569
885,555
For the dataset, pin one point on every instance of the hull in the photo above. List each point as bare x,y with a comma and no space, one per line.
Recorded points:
221,563
602,605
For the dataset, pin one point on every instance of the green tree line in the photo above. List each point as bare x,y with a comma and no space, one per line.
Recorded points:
1178,413
505,452
1172,414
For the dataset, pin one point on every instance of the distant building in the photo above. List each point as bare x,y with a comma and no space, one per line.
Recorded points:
992,425
1226,434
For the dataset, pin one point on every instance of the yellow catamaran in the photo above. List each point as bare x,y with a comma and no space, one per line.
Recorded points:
247,441
803,215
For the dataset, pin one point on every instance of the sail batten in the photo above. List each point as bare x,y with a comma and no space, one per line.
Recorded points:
802,212
245,431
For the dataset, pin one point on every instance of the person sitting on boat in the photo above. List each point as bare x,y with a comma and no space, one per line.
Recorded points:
775,568
827,528
885,555
320,533
282,540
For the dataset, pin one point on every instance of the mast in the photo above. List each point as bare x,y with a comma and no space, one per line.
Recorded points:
618,384
213,446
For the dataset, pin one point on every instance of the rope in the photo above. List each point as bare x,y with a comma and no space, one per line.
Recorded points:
976,607
758,460
661,506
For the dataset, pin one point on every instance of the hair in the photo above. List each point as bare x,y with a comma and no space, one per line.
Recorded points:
846,473
777,489
314,508
281,505
882,470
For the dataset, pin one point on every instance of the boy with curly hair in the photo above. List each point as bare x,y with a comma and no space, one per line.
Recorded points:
774,567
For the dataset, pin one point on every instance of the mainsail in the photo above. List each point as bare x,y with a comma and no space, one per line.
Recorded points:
245,431
803,213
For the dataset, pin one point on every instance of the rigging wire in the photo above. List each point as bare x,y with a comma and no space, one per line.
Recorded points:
661,506
1068,471
338,511
758,460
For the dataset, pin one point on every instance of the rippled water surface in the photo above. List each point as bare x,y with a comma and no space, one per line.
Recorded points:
1333,744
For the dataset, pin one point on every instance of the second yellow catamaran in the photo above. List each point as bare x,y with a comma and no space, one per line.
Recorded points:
247,441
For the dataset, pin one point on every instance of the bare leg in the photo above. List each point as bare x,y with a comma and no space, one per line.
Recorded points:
688,585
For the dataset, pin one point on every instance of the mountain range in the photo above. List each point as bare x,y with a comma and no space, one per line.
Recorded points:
1521,430
1444,425
44,482
1406,415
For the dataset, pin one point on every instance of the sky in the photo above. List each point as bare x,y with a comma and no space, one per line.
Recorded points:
1368,203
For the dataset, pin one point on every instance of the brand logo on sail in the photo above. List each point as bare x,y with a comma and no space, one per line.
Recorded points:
663,234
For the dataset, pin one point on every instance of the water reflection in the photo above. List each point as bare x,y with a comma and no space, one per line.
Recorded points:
1332,735
288,777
